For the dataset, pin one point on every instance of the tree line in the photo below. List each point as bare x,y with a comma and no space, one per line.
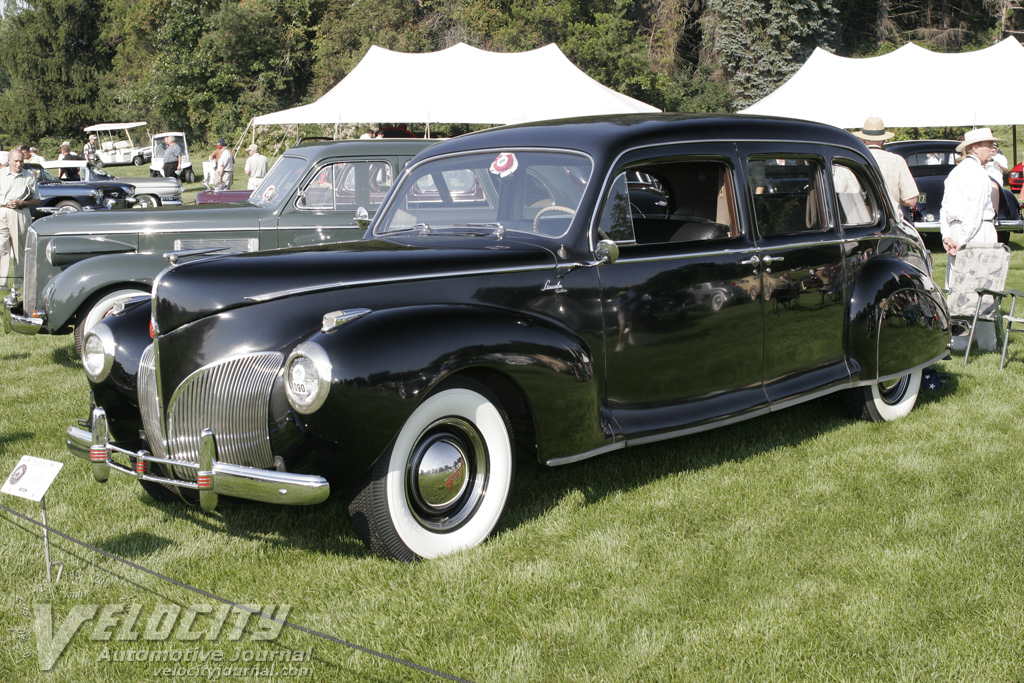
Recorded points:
207,67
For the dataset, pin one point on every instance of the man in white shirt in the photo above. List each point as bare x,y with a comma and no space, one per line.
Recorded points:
19,192
967,213
255,166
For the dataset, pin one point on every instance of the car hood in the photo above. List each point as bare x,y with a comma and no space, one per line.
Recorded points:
195,289
163,219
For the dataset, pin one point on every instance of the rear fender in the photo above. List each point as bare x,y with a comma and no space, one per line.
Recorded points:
385,363
898,320
68,291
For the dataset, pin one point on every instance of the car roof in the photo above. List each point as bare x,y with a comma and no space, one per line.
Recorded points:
605,136
65,163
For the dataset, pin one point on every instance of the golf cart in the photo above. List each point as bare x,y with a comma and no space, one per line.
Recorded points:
116,146
156,166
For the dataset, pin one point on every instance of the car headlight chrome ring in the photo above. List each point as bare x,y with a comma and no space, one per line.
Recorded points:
98,352
307,377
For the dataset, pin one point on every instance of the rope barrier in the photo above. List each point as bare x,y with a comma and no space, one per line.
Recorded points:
244,608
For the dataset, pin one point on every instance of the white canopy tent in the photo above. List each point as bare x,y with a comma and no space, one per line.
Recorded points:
461,84
908,88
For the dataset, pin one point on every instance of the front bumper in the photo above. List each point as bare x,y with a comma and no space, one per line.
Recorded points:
14,321
213,478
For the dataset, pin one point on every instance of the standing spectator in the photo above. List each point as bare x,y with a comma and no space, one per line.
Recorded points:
255,166
997,167
172,157
898,180
224,173
19,192
91,152
65,150
967,213
34,156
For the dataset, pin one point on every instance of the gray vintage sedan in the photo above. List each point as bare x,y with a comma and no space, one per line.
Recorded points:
78,267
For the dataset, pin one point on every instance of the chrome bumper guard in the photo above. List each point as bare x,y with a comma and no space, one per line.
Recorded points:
213,478
16,322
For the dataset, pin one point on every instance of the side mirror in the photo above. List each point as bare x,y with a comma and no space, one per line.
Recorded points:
362,218
607,252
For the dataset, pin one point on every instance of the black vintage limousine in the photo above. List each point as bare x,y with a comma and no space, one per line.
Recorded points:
559,290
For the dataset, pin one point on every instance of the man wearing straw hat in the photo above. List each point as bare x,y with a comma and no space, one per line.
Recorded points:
967,213
898,180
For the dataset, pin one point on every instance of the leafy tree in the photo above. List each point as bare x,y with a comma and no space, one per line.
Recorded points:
52,68
758,43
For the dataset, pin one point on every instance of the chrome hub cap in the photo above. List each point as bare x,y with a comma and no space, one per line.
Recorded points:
446,475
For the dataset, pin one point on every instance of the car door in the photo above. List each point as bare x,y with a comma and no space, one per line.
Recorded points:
681,305
324,209
802,270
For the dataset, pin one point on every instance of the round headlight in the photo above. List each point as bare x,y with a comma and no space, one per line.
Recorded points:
307,377
98,352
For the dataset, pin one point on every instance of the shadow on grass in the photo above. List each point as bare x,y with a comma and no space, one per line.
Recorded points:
17,356
66,356
134,545
7,441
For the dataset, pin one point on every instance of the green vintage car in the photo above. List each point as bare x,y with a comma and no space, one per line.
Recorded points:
77,267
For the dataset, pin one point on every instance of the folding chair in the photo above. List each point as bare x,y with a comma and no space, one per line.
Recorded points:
1011,320
976,282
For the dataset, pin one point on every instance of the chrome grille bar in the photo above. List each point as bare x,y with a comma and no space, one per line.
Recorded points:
29,302
230,397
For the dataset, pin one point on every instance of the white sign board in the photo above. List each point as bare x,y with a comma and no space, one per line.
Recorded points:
31,478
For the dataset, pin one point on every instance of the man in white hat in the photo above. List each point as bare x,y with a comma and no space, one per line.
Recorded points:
898,180
255,166
967,213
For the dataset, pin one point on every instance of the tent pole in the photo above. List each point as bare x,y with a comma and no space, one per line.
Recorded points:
1014,162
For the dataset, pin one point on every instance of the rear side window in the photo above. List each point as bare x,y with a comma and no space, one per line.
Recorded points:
858,206
787,195
671,201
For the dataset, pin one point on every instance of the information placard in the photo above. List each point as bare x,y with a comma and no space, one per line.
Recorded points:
31,478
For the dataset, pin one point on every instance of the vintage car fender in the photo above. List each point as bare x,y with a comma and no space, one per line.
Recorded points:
544,375
896,314
68,291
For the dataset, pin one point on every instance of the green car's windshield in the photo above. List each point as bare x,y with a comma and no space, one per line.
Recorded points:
282,178
520,191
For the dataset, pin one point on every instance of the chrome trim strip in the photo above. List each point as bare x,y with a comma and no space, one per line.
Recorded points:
280,294
569,459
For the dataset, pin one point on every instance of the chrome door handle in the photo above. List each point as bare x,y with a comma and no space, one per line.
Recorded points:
773,259
752,261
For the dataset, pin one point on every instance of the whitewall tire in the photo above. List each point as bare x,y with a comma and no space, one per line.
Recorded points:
445,482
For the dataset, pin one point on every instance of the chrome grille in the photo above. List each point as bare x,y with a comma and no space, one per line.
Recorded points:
29,284
231,397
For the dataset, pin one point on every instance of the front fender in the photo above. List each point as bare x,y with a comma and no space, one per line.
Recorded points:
65,294
898,320
386,362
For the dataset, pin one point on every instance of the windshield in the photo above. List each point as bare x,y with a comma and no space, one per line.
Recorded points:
98,173
282,178
523,191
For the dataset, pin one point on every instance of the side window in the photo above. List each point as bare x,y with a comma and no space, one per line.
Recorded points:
670,201
347,185
787,195
858,207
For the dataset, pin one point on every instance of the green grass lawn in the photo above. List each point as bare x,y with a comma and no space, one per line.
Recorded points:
800,546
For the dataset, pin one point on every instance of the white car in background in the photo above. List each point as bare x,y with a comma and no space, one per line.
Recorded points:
149,192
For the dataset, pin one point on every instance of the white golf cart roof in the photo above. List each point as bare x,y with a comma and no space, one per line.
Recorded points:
163,135
113,126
